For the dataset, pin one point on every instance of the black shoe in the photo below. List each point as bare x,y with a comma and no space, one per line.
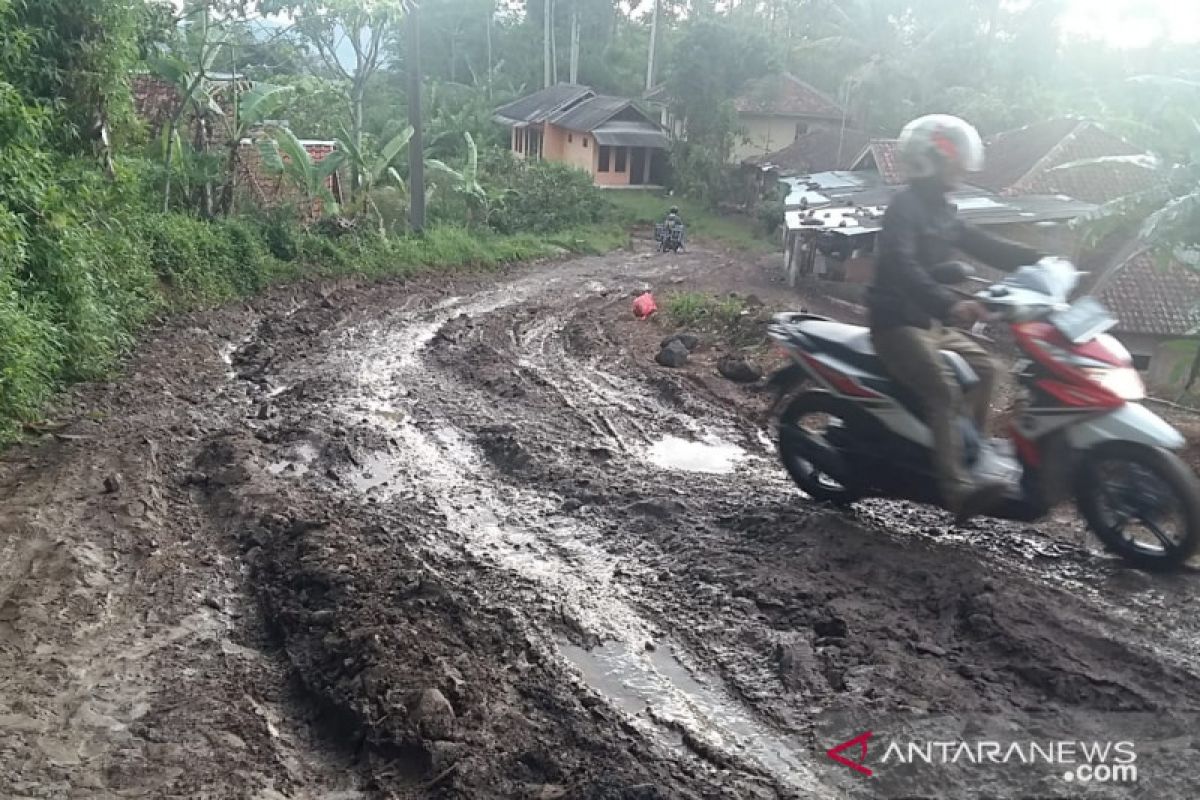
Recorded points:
981,499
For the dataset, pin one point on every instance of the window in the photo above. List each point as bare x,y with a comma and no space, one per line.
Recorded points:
621,154
801,129
570,138
519,140
1141,362
585,141
604,154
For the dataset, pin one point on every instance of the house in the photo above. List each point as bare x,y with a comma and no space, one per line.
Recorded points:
1032,187
156,101
775,110
610,138
819,150
1157,306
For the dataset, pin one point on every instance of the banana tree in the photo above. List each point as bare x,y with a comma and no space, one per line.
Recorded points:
251,109
283,155
371,171
465,182
1169,210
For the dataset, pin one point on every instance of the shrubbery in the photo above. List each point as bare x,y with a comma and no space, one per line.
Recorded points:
541,197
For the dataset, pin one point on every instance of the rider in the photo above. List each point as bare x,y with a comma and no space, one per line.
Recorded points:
673,219
908,307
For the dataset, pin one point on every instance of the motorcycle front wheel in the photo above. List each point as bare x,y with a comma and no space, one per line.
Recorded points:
1143,503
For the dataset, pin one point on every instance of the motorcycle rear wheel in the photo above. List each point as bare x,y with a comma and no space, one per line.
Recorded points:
1143,503
811,414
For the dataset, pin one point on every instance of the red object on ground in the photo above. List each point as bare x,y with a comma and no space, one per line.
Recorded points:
644,306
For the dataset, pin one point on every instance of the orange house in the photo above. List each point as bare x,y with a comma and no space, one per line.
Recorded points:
607,137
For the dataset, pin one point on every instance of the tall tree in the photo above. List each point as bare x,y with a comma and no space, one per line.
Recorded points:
329,27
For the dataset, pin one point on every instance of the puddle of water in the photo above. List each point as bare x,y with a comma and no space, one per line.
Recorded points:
711,454
300,459
378,474
637,680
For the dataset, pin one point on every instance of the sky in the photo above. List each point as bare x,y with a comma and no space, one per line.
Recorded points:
1133,23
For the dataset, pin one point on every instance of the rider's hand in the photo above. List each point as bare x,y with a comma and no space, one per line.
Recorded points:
968,312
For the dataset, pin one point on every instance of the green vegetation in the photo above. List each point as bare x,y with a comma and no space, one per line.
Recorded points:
636,208
700,310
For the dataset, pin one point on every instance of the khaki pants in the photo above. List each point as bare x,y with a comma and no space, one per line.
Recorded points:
911,357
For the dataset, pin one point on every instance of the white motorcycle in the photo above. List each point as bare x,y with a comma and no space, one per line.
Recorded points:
1080,430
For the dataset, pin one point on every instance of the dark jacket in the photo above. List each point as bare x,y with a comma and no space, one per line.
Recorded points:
921,230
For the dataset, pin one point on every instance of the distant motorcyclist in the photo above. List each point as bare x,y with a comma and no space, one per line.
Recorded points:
908,307
670,233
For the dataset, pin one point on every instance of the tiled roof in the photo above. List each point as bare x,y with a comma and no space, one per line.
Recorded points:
1011,155
1151,299
820,150
1023,161
1095,183
544,103
785,95
882,152
586,115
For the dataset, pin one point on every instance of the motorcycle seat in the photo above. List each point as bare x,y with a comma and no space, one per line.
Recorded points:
852,344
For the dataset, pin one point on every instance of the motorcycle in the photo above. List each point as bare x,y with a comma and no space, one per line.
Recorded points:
846,431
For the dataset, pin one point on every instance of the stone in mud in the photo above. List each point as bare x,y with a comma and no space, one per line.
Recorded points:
689,340
831,628
674,355
433,715
112,484
739,369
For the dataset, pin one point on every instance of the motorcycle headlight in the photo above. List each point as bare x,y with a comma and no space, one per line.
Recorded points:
1124,382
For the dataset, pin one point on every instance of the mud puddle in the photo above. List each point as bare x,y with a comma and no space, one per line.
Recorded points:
710,454
664,698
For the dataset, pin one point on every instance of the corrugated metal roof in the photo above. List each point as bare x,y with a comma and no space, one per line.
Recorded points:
631,134
540,105
591,113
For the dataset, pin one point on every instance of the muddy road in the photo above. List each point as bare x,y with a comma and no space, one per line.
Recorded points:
464,539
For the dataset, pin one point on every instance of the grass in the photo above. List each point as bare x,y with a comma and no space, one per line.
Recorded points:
171,263
700,310
645,207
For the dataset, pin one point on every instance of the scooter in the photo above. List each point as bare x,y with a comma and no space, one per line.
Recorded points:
846,431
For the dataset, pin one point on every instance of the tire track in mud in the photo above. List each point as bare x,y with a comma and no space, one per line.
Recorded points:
523,532
718,615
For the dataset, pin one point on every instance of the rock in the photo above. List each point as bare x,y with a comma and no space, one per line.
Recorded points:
433,715
689,340
674,355
739,369
929,649
112,484
831,628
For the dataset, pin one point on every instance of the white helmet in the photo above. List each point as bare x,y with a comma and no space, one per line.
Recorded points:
930,144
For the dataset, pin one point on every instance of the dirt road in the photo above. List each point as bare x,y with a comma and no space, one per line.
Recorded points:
464,539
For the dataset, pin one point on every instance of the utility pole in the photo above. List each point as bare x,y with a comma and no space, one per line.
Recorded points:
574,41
546,43
491,68
553,41
416,150
653,44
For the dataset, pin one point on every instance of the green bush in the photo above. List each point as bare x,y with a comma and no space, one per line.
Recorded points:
544,197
